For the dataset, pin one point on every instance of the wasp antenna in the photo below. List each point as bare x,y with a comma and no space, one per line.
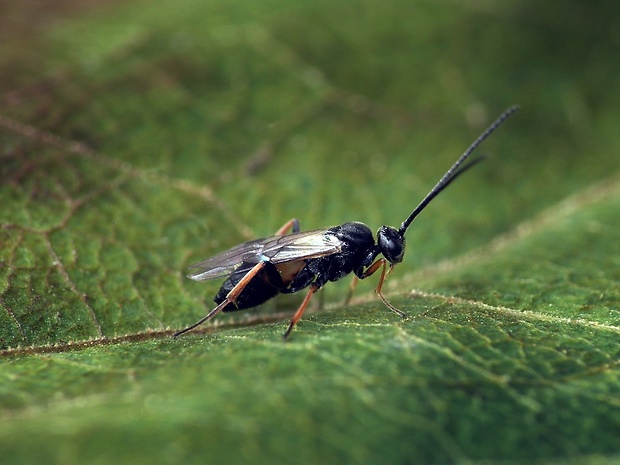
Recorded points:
457,169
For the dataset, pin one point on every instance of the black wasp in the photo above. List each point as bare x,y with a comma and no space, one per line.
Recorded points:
285,263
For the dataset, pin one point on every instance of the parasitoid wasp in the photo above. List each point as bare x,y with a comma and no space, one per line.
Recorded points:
258,270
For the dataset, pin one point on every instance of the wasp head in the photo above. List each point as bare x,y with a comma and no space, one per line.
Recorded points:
391,244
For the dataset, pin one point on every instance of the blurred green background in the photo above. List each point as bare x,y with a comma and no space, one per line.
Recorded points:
139,137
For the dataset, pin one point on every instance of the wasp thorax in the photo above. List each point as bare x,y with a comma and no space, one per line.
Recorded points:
391,243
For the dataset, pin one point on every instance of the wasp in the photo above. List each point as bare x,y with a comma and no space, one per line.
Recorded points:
285,263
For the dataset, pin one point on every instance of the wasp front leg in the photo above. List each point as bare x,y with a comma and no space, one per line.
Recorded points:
382,263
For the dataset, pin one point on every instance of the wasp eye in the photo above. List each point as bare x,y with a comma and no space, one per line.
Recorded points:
391,244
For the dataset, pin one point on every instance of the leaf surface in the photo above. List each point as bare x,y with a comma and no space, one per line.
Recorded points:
136,139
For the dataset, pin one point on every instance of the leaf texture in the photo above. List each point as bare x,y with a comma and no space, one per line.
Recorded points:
137,138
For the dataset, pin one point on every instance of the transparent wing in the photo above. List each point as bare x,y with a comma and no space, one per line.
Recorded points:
275,249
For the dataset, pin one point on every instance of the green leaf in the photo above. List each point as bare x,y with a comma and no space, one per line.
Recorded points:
138,138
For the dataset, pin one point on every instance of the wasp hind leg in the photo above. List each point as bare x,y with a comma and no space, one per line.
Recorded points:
231,297
292,224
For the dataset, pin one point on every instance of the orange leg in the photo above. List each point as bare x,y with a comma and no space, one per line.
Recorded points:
352,287
293,225
231,297
382,262
300,310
